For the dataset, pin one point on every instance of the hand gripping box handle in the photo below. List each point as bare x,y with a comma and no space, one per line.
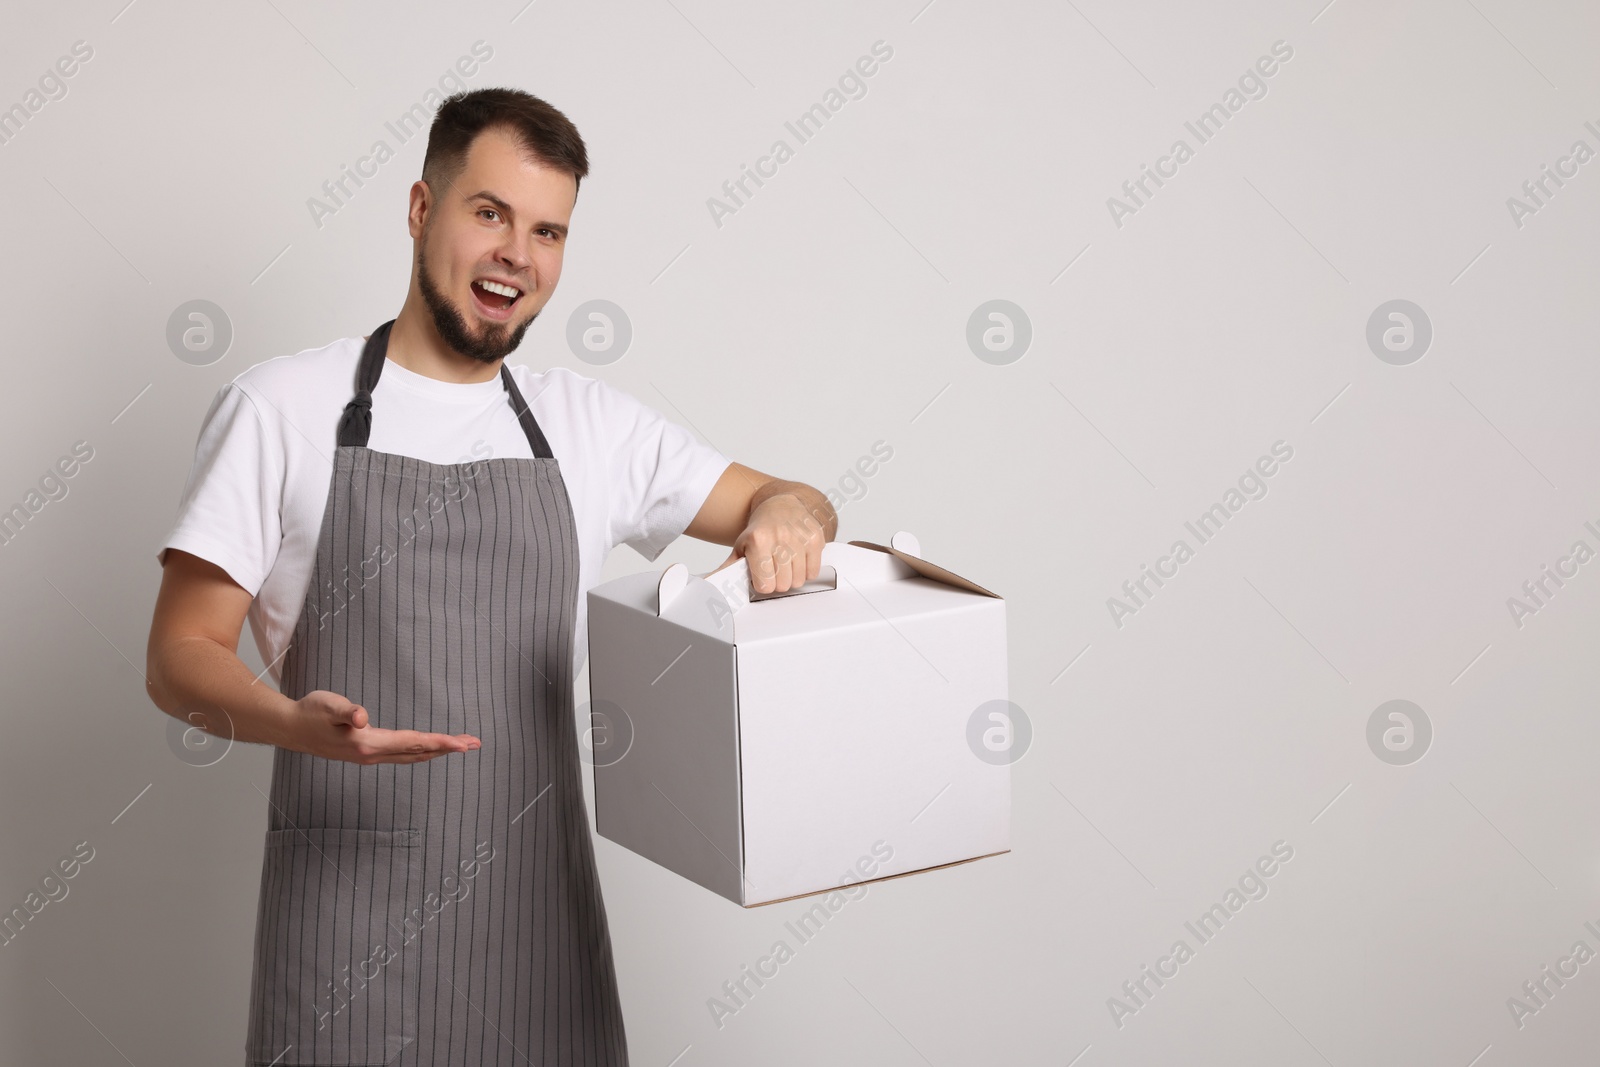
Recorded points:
707,602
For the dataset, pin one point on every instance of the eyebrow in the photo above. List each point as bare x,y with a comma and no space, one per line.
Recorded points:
505,209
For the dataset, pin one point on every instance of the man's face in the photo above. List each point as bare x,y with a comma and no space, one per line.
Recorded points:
504,220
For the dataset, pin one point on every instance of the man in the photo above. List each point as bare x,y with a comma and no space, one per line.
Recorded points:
410,526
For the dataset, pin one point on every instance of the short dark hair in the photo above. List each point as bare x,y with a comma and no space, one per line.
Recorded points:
544,133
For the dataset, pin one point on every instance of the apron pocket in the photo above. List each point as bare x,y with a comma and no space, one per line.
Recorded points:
332,984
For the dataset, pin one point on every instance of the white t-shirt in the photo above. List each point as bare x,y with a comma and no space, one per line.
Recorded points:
263,464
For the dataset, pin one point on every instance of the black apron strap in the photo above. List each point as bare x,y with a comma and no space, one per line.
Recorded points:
536,441
355,425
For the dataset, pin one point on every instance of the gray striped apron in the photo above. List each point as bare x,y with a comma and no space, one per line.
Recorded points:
448,911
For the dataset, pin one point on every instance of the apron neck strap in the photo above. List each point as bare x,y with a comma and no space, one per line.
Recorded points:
536,441
355,425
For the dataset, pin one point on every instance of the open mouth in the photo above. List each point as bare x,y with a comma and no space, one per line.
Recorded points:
495,299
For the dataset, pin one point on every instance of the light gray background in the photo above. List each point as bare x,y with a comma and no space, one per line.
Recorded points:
831,312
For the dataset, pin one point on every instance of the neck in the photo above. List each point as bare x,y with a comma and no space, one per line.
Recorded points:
415,344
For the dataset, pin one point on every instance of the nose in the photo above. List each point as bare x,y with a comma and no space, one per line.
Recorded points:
515,256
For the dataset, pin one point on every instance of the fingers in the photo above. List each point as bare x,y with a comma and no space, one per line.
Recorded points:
409,756
783,569
763,572
789,568
784,579
797,572
385,743
413,741
779,563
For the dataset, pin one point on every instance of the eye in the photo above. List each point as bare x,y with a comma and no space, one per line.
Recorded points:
490,210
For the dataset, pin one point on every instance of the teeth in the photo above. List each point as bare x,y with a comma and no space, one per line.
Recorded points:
496,287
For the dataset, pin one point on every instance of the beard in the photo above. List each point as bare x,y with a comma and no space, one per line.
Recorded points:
497,340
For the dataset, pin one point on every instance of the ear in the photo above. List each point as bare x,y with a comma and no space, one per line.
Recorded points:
421,203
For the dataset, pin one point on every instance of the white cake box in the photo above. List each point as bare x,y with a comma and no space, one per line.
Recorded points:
768,746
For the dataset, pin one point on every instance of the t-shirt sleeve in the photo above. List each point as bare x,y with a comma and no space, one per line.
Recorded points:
660,473
230,510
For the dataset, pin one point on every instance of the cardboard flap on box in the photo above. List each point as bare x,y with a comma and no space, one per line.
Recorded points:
904,547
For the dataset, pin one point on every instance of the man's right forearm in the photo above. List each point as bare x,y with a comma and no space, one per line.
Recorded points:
206,685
